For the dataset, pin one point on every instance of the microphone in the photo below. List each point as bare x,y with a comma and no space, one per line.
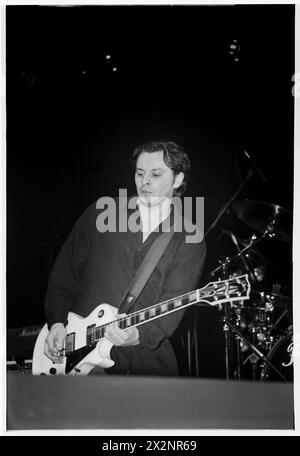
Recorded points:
255,166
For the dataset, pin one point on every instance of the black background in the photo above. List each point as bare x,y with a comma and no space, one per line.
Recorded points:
72,123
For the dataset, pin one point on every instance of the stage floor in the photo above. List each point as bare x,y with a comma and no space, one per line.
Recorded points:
113,402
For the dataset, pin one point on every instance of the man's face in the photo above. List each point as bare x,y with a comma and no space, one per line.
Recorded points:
154,180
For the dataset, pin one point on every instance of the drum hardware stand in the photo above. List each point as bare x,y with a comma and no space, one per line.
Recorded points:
255,350
238,346
280,318
235,242
226,329
226,325
228,204
224,319
253,358
254,240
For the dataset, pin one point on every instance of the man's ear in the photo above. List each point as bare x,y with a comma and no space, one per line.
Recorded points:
178,180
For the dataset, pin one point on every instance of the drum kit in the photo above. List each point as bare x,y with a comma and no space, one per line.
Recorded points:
258,332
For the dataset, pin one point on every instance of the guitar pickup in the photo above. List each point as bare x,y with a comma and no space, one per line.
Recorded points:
70,343
90,335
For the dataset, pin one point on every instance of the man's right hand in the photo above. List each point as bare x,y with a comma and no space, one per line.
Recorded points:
55,342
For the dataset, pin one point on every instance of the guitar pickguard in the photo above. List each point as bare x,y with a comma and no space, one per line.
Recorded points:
76,356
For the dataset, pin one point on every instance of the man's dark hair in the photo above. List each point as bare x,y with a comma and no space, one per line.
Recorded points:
174,157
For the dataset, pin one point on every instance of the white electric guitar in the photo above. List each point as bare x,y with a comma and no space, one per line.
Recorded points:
85,344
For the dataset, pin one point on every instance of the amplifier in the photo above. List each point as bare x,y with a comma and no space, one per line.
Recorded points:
20,365
20,344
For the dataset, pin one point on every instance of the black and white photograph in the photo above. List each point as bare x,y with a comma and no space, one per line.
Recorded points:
150,209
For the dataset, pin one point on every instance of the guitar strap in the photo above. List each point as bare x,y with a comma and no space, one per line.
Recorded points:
145,270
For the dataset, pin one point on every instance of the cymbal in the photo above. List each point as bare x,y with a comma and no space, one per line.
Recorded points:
265,217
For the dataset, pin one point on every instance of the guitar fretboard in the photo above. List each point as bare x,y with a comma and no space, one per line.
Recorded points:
151,313
236,289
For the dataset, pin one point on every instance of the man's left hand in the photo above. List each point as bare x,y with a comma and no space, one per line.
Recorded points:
120,337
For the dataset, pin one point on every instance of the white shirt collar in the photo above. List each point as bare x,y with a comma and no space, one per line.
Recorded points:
152,216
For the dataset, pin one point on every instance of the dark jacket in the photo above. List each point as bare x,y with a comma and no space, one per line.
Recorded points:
94,268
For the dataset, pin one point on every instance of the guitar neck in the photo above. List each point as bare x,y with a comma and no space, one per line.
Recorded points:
151,313
214,293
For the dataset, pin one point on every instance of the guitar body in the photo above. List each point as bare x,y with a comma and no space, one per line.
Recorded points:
83,358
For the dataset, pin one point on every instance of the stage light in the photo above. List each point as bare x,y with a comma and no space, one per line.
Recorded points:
108,57
114,68
234,50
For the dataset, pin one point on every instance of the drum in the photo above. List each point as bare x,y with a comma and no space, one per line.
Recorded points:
281,357
255,322
264,319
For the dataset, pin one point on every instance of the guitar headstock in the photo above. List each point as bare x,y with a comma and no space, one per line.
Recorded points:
229,290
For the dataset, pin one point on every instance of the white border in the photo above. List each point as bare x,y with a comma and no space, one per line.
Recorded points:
3,233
